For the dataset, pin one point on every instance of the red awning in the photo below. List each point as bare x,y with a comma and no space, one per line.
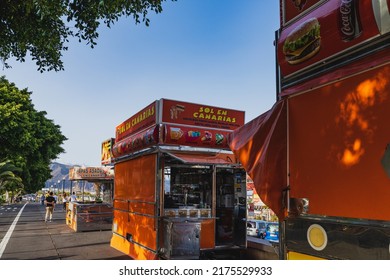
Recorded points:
261,147
206,159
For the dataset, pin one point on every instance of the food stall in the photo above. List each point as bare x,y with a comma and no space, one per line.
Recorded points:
179,191
86,215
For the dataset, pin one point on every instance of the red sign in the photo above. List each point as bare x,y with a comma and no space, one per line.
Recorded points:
360,65
333,28
91,173
143,119
136,142
195,136
178,123
201,115
292,9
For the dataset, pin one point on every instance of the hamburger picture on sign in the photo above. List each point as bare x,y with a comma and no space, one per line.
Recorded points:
303,42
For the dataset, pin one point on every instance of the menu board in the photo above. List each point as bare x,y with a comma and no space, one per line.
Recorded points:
136,142
195,136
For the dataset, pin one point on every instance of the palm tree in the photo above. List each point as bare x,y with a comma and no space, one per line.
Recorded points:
8,179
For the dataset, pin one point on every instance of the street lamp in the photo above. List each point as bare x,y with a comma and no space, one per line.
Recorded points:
63,185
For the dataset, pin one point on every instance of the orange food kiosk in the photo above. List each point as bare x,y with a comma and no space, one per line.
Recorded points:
179,192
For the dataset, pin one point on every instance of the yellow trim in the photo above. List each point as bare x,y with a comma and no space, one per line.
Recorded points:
317,237
131,249
121,244
299,256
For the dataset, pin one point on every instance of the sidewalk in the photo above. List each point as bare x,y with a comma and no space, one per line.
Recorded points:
33,239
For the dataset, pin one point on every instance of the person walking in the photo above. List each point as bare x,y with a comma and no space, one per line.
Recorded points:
50,204
73,197
55,197
43,198
64,201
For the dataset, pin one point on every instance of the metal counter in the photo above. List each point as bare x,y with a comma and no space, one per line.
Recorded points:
180,238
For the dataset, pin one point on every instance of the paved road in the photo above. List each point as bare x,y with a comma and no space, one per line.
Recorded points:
25,236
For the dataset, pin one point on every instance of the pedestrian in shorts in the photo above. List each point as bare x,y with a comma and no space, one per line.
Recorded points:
50,202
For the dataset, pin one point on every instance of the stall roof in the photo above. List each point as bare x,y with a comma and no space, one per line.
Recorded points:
203,158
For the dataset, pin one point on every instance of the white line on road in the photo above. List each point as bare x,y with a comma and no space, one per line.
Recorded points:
7,236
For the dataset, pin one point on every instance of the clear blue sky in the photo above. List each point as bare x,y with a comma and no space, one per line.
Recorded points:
211,52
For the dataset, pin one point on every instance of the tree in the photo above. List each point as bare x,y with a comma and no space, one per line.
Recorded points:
42,27
27,137
7,175
9,181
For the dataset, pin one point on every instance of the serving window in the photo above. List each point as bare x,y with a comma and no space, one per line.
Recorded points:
200,191
187,191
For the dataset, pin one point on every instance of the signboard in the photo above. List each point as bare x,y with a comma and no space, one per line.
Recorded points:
143,119
178,112
91,173
292,9
136,142
360,65
176,123
195,136
106,156
334,28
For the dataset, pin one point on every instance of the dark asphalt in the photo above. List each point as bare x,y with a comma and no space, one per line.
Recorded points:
30,238
33,239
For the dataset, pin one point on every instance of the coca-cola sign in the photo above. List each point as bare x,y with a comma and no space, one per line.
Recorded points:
349,19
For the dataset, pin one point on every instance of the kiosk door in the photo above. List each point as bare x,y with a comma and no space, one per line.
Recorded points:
231,207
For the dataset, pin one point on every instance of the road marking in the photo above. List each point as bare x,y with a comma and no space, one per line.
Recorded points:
7,236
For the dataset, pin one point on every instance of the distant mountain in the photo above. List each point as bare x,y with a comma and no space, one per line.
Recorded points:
59,171
60,179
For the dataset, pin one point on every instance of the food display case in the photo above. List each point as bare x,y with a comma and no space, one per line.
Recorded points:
89,216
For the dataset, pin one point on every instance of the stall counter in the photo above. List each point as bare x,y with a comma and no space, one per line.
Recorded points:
89,216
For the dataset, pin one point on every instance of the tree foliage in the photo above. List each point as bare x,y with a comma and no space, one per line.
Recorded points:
42,28
8,178
27,138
